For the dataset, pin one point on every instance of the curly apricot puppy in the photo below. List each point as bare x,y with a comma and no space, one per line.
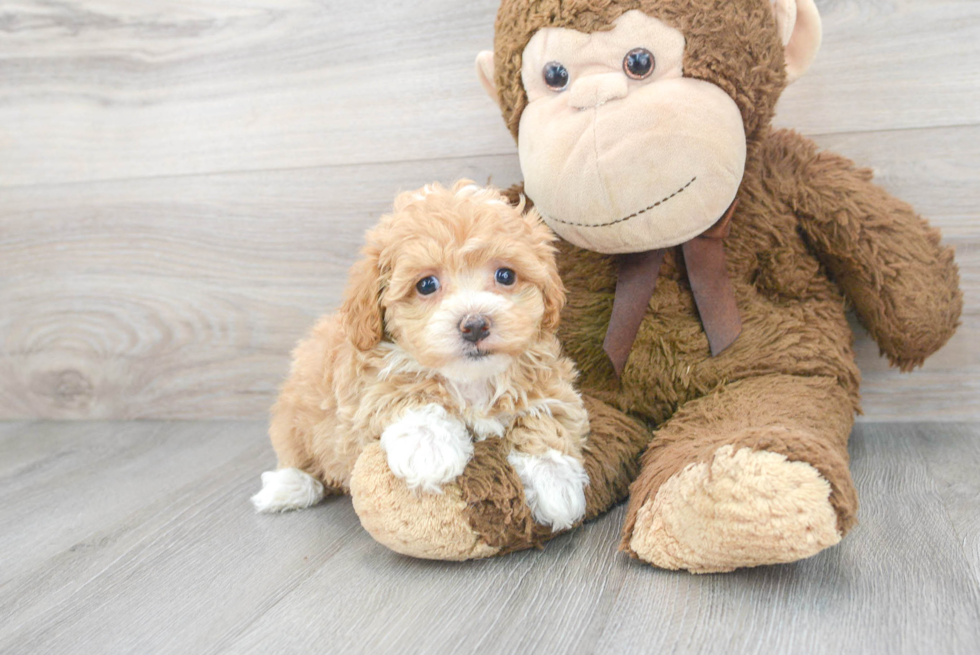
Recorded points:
446,335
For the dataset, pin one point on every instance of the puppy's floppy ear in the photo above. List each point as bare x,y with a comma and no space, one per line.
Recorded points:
361,313
554,300
551,288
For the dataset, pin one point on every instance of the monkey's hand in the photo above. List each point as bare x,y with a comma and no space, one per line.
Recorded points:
887,260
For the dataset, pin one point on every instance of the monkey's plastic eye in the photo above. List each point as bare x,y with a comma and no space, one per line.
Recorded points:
427,285
638,63
505,276
555,76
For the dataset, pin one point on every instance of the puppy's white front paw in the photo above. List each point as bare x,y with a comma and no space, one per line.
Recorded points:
427,448
554,486
287,489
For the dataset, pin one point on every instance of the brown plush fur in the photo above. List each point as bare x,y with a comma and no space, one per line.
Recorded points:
349,382
811,238
794,275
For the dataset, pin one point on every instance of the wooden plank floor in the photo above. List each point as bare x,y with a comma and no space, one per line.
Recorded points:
137,537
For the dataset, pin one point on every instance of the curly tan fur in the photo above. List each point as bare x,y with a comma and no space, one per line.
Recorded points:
359,370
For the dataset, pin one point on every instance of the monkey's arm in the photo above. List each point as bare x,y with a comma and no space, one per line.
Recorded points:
887,260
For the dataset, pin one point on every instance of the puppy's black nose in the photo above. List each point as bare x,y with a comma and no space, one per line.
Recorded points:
474,327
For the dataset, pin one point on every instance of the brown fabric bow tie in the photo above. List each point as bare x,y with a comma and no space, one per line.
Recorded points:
704,257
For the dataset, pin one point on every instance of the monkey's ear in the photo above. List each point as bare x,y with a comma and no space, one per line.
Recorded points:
800,29
485,72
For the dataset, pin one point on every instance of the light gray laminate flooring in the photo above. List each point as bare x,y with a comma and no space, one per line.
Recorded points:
137,537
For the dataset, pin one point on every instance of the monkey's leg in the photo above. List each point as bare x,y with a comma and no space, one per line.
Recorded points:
755,473
484,513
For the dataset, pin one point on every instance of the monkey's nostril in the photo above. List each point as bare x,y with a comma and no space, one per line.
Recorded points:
474,328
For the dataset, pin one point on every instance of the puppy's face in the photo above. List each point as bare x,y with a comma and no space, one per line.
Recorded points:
457,278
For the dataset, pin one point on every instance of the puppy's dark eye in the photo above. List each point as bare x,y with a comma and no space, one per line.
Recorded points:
427,285
555,76
505,276
638,63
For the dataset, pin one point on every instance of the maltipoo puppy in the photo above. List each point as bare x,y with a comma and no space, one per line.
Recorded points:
446,335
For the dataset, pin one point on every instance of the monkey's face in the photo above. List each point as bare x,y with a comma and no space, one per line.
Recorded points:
620,152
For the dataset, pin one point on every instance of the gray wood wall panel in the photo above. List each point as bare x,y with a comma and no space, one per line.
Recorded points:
100,89
183,184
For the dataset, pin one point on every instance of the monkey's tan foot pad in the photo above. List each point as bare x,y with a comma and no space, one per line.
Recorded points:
742,508
425,525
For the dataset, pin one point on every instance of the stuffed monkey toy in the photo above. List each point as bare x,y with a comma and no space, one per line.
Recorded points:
709,260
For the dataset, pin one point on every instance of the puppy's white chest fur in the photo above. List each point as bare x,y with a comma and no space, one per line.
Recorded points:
477,394
475,400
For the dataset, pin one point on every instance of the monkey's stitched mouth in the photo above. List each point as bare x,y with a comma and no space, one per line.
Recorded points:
631,216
